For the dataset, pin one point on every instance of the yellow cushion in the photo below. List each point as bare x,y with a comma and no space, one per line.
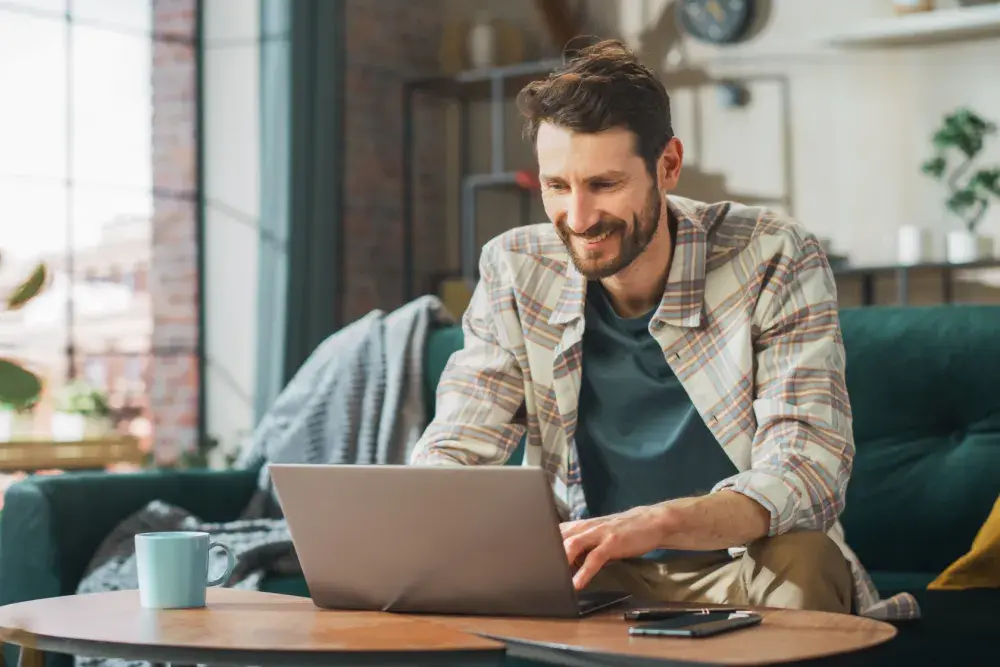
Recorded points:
980,567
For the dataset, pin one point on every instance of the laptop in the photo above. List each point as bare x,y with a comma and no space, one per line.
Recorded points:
477,540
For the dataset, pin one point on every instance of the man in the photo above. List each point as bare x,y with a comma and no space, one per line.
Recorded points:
677,367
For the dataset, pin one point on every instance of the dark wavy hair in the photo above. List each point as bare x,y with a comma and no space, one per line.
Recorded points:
603,86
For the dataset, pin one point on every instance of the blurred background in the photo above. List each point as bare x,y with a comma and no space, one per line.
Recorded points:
215,186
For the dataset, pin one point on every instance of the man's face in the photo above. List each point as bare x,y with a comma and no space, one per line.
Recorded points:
599,195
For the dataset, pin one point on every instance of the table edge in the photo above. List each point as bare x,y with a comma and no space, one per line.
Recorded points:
573,656
577,655
264,657
568,655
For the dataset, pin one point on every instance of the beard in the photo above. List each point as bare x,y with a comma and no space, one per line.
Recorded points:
632,239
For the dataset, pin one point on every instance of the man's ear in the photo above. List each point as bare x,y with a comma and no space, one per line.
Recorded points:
668,169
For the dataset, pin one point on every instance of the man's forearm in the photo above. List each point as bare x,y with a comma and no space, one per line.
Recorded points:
716,521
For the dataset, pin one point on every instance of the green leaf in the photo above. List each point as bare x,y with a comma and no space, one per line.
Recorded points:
934,167
965,131
78,397
961,200
28,290
18,386
973,123
988,180
946,137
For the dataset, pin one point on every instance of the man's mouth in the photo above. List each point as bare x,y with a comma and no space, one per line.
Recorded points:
594,240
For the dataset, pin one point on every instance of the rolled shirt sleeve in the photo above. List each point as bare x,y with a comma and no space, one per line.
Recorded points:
803,449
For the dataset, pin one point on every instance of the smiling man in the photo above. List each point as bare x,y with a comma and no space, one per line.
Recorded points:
676,366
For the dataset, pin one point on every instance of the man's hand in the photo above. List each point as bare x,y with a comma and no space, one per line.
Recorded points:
705,523
593,542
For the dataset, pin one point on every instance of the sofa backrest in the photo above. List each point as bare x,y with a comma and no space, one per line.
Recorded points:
923,388
441,343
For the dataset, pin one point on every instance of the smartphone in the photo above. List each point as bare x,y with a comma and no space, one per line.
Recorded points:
663,614
698,624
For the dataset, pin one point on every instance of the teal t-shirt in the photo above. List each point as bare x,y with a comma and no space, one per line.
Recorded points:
639,438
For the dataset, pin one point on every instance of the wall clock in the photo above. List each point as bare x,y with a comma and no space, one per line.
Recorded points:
716,21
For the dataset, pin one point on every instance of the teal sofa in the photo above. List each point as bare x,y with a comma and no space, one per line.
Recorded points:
923,385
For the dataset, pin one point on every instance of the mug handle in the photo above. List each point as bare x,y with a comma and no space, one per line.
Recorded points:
230,564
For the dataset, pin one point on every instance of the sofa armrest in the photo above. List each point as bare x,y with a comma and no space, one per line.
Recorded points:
52,525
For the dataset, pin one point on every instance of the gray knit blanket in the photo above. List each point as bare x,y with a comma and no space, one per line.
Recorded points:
357,399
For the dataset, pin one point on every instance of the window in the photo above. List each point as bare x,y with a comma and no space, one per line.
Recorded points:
97,178
132,370
95,373
128,280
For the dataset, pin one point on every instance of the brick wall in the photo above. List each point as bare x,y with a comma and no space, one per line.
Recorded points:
388,41
172,374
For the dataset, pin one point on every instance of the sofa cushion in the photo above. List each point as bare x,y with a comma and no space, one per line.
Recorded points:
956,628
980,567
888,582
441,343
922,382
286,585
958,614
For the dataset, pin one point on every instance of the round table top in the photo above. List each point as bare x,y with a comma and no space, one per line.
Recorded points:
784,635
250,627
235,626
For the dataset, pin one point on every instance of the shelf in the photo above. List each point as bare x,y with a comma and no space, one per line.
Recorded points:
97,453
523,179
851,269
868,274
933,27
507,80
480,83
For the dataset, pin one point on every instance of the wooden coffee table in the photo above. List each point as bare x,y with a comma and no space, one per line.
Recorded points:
240,627
237,627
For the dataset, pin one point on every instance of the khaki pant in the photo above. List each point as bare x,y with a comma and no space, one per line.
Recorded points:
799,570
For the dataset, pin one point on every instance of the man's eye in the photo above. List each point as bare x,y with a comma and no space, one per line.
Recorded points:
601,185
558,187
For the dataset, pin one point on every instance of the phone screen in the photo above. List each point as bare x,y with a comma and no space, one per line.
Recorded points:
689,620
698,625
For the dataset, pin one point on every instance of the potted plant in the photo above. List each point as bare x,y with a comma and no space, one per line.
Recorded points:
964,132
19,387
81,412
206,453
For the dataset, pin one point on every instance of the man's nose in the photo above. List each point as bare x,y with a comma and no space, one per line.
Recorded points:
581,213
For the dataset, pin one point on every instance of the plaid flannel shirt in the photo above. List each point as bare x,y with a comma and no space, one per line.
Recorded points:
749,324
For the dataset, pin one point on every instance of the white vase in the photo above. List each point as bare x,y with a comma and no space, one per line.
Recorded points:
482,43
15,426
24,426
912,6
963,246
913,245
6,425
68,426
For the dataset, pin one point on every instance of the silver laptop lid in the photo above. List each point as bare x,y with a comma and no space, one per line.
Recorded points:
455,539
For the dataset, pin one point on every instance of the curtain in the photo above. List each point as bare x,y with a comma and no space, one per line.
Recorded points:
301,185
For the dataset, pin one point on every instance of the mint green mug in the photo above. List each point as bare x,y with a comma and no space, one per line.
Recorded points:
173,568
